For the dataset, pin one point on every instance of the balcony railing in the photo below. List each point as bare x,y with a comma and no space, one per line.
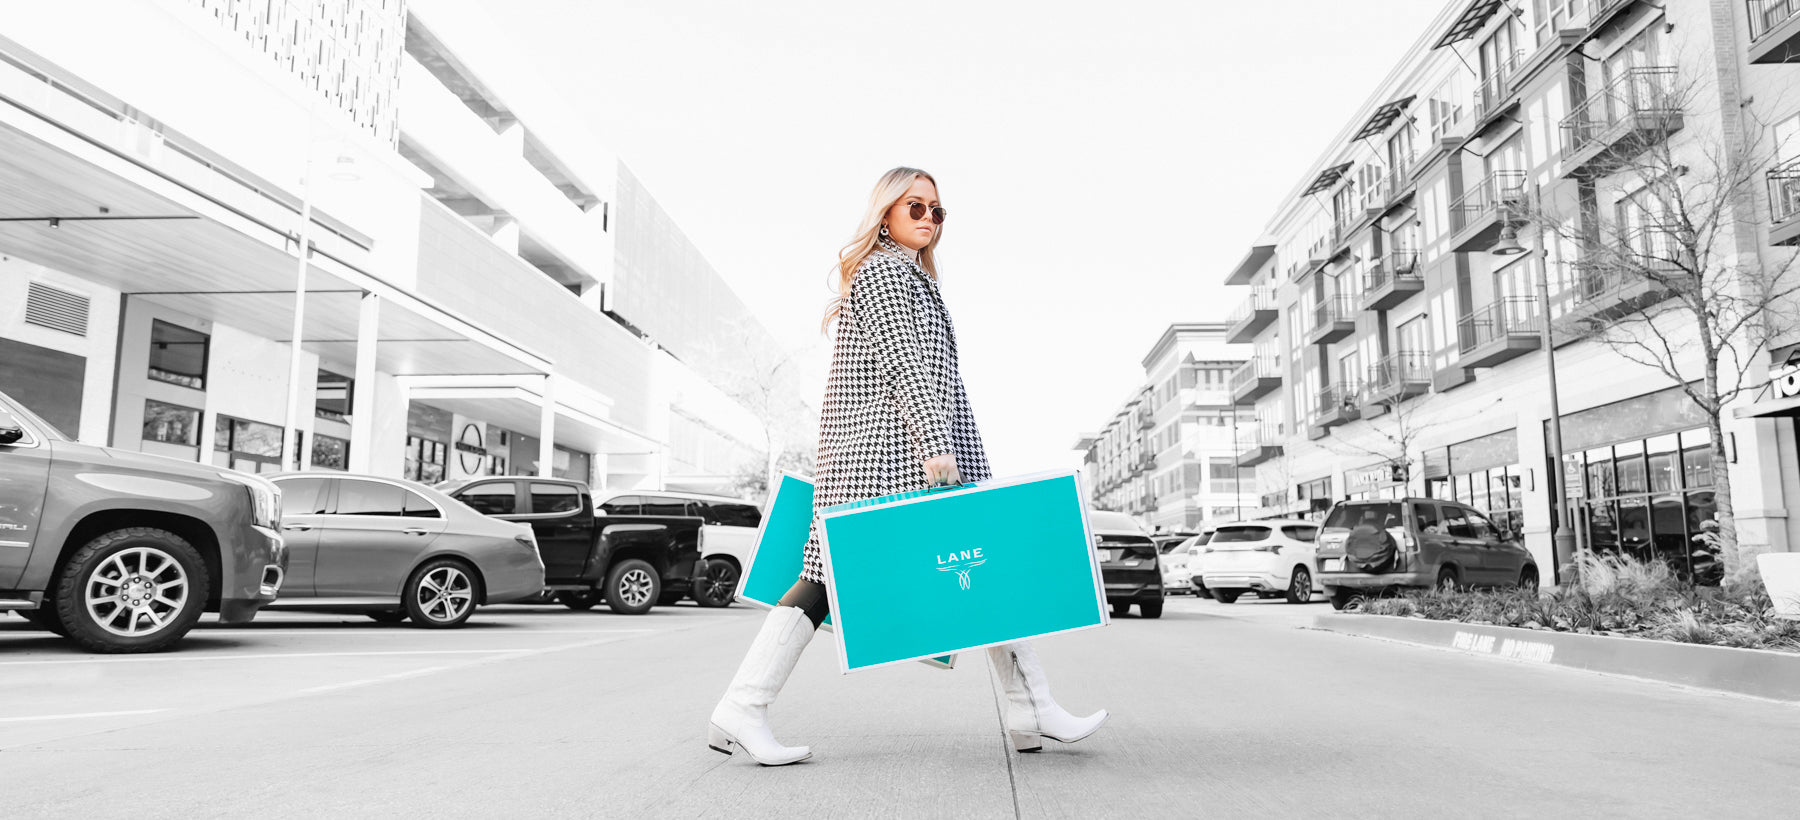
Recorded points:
1765,15
1499,331
1645,269
1258,445
1495,87
1338,404
1784,189
1641,101
1397,265
1255,379
1486,200
1257,312
1333,319
1399,376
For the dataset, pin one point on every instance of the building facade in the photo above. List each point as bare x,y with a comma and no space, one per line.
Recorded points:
1397,353
1167,456
167,165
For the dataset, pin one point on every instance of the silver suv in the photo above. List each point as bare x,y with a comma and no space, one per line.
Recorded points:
1369,546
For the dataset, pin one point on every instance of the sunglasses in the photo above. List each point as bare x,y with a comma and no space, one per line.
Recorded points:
937,212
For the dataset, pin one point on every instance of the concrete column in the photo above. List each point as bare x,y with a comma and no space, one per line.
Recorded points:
547,431
362,389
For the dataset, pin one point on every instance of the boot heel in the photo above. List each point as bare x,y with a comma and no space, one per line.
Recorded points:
1026,741
717,740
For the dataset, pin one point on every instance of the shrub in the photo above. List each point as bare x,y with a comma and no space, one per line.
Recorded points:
1618,595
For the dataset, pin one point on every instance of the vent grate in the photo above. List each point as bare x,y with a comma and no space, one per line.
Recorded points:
56,309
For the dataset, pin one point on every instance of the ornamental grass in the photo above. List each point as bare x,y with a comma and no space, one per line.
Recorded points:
1618,595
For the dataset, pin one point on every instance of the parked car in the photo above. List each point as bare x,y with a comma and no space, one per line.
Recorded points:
728,535
398,550
1369,546
1128,564
1269,558
1174,562
630,561
121,551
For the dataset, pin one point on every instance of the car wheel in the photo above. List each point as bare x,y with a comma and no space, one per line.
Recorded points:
1151,609
1299,589
1447,580
1121,609
632,587
44,617
719,586
1528,579
387,616
580,600
132,590
441,594
1340,597
1226,596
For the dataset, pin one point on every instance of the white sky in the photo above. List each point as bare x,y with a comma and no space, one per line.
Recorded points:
1104,164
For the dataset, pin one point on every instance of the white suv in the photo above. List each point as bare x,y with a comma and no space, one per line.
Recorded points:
725,539
1271,558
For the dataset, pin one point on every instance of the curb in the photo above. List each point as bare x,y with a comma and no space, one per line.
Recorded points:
1758,673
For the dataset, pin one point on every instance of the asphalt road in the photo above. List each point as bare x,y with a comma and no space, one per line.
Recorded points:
1217,711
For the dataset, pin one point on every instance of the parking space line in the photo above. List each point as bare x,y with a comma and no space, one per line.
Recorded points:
404,632
260,657
82,715
334,687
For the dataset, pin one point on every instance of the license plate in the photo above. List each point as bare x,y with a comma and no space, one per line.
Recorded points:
1333,565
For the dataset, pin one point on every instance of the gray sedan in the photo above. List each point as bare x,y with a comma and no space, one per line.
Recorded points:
398,549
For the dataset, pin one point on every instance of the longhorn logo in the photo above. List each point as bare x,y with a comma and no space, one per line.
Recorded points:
960,563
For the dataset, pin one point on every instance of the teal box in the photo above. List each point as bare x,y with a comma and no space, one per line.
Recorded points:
780,551
953,569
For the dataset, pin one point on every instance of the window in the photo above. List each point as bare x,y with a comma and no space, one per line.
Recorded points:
417,506
552,499
1223,473
623,505
1305,535
425,459
1414,336
171,423
178,355
370,498
732,515
1427,516
1550,16
302,496
1239,535
332,396
662,505
331,453
1377,514
492,498
1456,523
247,446
1480,526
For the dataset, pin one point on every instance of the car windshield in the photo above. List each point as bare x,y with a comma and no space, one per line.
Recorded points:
1239,535
1170,546
1377,514
11,414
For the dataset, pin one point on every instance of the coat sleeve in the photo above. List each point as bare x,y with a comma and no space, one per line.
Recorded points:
886,313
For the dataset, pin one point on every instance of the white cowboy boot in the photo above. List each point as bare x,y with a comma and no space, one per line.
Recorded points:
1031,714
742,716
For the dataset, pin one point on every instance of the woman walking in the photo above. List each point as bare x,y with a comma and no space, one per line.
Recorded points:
895,419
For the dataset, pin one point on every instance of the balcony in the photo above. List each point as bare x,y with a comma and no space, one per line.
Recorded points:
1495,93
1257,378
1615,284
1147,422
1392,280
1504,330
1605,132
1477,217
1333,319
1147,462
1784,203
1774,31
1251,317
1338,404
1397,378
1375,197
1258,446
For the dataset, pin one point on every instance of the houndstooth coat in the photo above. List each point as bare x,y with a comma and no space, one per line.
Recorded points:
894,397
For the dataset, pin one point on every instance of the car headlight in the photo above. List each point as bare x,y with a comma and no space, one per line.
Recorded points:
265,499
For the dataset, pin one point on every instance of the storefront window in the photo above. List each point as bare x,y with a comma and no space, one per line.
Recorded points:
1646,499
330,453
178,355
171,423
246,446
425,459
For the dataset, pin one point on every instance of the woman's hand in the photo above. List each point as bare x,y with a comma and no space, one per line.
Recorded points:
942,470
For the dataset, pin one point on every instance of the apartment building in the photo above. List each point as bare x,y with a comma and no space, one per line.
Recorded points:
484,289
1166,456
1398,300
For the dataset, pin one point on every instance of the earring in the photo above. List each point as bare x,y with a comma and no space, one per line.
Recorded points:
884,230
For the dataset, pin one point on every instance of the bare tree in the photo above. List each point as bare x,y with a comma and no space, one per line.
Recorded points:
1670,278
763,379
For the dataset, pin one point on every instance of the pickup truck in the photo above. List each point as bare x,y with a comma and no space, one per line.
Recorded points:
121,551
632,562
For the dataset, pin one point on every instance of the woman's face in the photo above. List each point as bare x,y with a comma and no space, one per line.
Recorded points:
913,233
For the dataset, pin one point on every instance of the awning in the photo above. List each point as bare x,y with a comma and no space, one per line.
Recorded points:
1383,117
1469,23
1252,262
1326,179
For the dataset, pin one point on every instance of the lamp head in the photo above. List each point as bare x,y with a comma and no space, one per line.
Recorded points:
1508,243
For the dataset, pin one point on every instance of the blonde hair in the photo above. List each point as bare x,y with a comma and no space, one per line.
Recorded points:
888,190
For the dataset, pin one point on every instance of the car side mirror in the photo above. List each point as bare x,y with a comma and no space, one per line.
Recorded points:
10,435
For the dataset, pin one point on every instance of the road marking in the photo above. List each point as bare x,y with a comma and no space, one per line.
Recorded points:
82,715
334,687
400,632
260,657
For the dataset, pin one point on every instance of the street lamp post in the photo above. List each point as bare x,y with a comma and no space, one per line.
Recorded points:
290,450
1563,540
